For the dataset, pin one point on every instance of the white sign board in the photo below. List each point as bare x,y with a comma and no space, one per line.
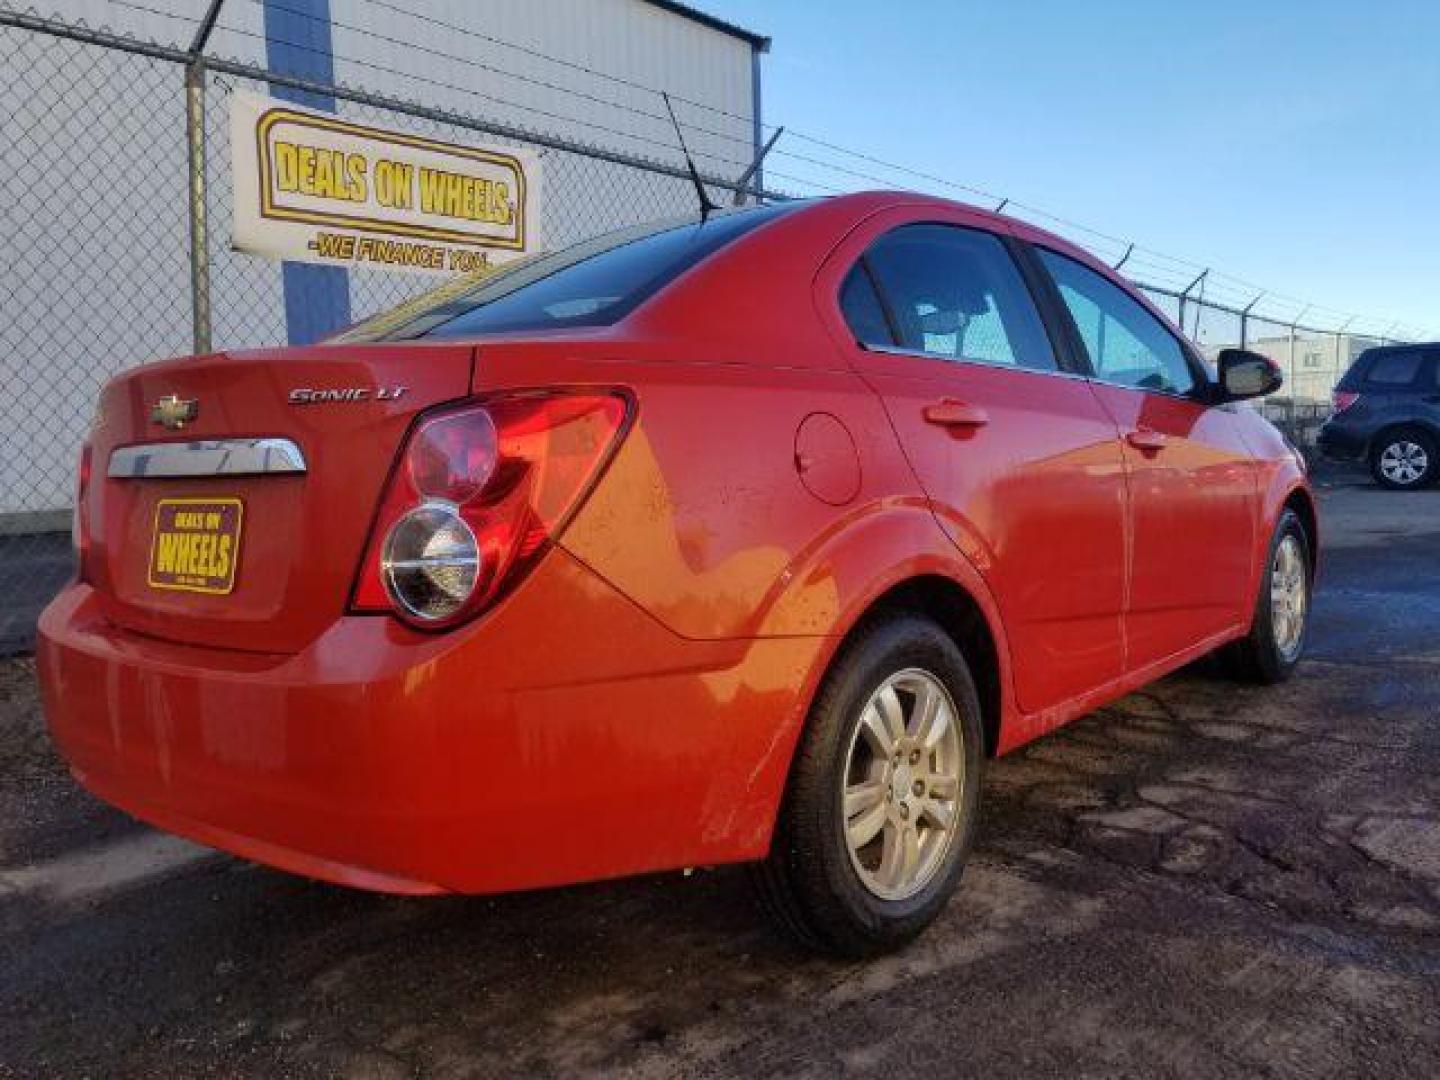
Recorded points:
311,187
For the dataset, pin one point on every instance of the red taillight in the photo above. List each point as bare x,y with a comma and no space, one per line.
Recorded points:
478,493
1343,399
80,519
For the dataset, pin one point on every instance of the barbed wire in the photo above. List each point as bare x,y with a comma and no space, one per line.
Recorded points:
669,145
1237,290
1162,269
540,55
428,81
747,140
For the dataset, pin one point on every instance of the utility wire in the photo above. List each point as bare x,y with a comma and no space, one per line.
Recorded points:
661,143
1238,290
539,55
747,140
439,83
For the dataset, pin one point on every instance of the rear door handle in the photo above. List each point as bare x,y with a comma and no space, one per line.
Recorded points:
956,414
1146,440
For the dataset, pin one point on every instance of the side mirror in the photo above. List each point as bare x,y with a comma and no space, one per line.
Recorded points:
1244,374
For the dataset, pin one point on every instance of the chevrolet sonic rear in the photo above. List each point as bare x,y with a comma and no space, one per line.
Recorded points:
744,539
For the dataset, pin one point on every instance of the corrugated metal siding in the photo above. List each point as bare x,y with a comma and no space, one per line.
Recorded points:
628,39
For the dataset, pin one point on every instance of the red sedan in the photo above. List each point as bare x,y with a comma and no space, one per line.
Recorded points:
738,540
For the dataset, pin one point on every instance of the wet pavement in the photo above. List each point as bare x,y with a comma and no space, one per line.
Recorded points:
1204,879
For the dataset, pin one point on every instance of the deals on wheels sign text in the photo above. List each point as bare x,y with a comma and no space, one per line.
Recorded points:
311,187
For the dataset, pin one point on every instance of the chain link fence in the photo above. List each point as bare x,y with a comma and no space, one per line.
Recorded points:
1312,359
93,284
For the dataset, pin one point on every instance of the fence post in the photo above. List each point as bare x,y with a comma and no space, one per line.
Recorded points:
1245,321
1200,300
199,242
1340,336
1294,399
753,169
195,161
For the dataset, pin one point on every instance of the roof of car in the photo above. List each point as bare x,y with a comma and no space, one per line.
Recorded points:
1400,346
868,202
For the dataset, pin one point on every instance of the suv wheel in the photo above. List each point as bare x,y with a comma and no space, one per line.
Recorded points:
1403,459
1269,653
881,807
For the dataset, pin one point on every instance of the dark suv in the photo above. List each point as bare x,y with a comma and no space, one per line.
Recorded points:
1387,413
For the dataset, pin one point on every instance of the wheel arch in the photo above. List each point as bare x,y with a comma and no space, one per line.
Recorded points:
1302,502
949,605
836,591
1391,427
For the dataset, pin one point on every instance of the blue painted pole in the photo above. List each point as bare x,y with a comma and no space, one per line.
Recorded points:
297,42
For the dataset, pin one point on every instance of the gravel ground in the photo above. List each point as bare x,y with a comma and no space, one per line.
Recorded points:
1202,880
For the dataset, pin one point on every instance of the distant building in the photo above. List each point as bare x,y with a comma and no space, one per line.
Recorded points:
1313,363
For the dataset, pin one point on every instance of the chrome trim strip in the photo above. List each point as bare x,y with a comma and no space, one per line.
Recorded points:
211,457
898,350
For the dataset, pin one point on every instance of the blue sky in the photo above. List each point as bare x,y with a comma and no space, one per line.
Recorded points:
1291,144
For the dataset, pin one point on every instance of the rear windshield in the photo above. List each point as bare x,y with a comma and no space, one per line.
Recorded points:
591,284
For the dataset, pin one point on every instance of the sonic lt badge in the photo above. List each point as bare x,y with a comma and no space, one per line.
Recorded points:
345,394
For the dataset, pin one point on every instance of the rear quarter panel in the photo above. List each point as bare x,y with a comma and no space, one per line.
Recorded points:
703,518
1280,473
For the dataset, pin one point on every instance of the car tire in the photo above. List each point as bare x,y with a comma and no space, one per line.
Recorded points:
1272,649
1404,459
820,885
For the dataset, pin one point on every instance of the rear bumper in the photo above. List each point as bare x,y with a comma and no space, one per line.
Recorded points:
1340,442
472,762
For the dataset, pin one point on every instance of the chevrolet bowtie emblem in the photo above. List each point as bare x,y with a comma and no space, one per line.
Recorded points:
174,412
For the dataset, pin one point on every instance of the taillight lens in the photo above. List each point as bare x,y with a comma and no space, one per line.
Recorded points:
1343,399
431,562
478,493
80,519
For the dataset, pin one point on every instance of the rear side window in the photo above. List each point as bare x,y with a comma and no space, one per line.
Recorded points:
1128,346
590,284
863,311
1394,369
953,293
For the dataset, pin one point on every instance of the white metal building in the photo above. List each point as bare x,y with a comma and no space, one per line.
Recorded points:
97,270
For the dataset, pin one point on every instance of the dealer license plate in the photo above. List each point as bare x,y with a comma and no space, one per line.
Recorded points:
196,545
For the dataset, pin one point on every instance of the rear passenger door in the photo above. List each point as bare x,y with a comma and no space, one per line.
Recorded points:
1192,483
1019,460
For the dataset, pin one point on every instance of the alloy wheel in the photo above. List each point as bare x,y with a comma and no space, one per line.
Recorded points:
903,780
1289,596
1404,462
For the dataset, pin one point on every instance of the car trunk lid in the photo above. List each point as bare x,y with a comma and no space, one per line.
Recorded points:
241,526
